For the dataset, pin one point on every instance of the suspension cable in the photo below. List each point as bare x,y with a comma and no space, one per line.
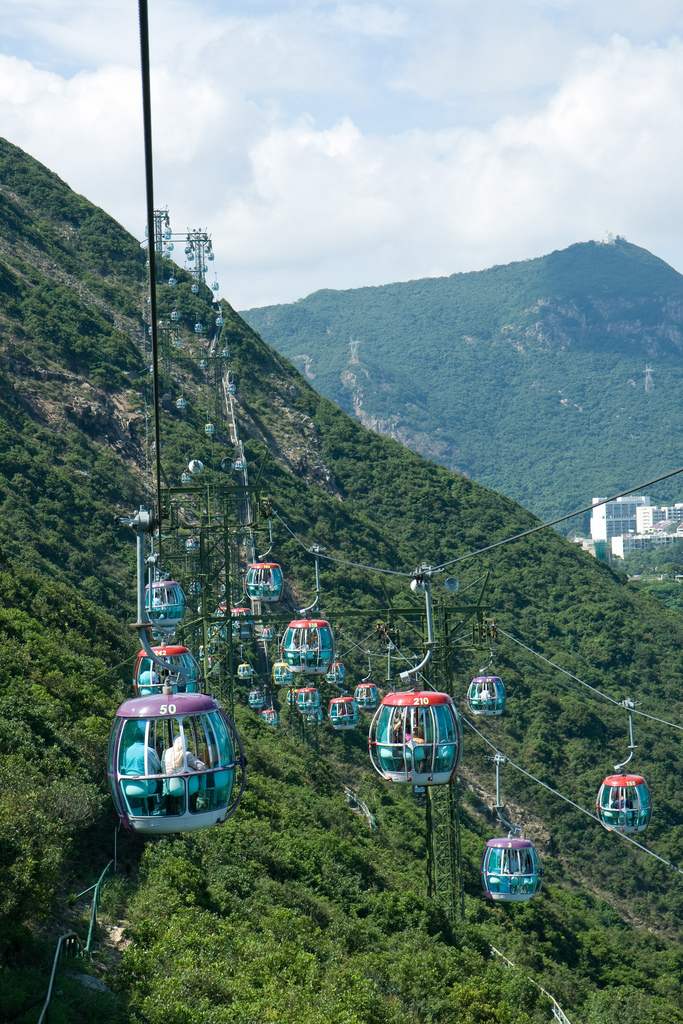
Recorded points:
635,711
578,807
341,561
151,249
561,519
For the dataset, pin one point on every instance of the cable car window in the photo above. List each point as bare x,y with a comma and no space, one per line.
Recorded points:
137,756
495,859
445,722
224,742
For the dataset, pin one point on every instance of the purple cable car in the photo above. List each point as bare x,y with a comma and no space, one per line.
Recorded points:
175,763
511,870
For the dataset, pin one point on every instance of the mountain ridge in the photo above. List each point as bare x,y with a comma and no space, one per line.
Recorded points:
502,373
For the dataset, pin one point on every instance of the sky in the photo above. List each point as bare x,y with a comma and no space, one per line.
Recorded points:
341,144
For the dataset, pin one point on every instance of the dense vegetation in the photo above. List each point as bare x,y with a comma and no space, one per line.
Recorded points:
295,909
528,377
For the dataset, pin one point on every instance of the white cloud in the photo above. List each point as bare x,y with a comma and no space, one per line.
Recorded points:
323,146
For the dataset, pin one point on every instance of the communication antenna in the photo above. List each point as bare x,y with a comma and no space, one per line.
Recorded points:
649,383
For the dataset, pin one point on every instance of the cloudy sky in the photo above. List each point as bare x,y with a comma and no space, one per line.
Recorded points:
338,144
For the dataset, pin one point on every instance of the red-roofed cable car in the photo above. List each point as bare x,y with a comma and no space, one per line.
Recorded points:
265,581
624,803
147,680
343,713
270,717
415,737
242,625
175,763
267,633
308,646
486,695
367,696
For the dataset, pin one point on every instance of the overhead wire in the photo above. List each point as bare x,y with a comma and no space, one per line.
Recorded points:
635,711
554,522
573,803
151,250
341,561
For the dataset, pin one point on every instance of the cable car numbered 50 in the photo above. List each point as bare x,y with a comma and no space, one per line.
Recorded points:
175,763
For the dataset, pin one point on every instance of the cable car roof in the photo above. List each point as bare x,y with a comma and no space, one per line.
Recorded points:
624,780
306,623
169,649
264,565
184,703
416,698
508,843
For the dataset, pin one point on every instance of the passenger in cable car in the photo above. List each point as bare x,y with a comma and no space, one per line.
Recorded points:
174,758
140,759
147,681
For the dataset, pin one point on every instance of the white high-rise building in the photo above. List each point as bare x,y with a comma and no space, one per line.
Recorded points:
614,518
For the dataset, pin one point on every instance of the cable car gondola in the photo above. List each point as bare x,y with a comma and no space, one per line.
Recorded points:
270,717
181,402
265,581
336,673
486,695
267,633
244,671
242,626
624,803
415,737
147,681
511,870
366,695
308,646
256,700
308,700
282,674
209,429
291,697
343,713
166,606
175,763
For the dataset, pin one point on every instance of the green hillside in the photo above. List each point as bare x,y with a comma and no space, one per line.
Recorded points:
528,378
295,909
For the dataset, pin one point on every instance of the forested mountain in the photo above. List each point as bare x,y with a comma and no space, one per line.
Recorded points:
294,909
529,378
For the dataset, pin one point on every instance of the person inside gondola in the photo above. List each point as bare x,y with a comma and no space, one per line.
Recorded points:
140,759
176,760
398,738
148,680
173,759
486,693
